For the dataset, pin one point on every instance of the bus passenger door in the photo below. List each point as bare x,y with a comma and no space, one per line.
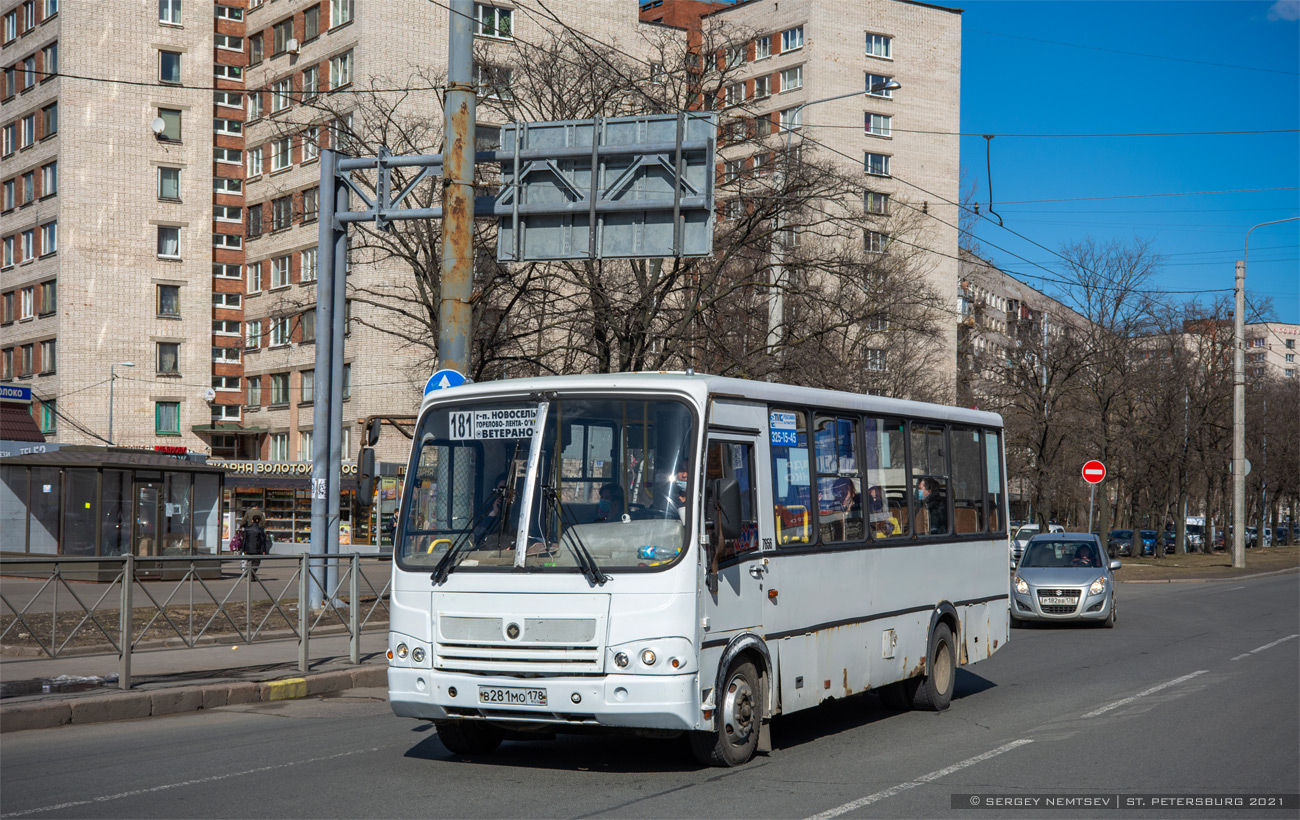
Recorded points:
735,569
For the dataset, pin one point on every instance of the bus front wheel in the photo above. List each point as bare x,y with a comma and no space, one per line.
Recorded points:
465,737
739,716
935,692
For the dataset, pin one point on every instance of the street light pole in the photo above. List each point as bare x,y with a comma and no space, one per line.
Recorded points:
112,377
776,302
1239,405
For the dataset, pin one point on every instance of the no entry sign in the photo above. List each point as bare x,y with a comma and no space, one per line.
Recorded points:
1094,472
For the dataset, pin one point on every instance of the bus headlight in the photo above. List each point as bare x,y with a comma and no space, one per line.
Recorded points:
417,654
653,656
1021,586
402,651
1098,586
621,660
648,657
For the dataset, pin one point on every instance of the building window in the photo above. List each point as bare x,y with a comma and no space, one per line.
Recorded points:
7,364
228,213
307,392
227,384
491,21
169,358
281,153
224,412
340,12
308,326
791,118
279,331
28,245
228,301
347,394
171,118
49,61
877,242
28,365
29,187
311,23
308,265
310,204
50,179
27,308
169,66
763,47
735,94
281,34
304,444
877,164
227,12
169,301
169,11
1290,344
226,271
167,418
49,363
229,156
9,253
763,86
255,277
253,337
878,125
227,185
228,99
232,128
49,416
9,199
49,298
169,242
280,272
231,241
493,82
255,162
281,94
254,391
877,203
254,106
49,120
792,78
255,222
791,39
279,388
878,45
225,355
230,42
279,445
169,184
49,238
877,79
10,138
310,83
341,70
29,130
233,73
281,213
876,360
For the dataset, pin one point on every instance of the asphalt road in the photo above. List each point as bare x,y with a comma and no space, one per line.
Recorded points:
1196,691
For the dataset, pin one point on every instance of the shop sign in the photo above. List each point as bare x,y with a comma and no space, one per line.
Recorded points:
283,469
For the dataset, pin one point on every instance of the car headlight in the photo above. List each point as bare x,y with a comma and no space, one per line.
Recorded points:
1098,586
1021,586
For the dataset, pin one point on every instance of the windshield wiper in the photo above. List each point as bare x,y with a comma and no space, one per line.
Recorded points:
581,554
457,550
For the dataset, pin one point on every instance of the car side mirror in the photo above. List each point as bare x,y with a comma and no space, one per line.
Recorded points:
1114,565
366,476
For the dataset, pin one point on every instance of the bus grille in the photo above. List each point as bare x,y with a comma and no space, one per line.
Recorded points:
543,645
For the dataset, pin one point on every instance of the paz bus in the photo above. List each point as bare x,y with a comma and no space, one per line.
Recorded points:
667,553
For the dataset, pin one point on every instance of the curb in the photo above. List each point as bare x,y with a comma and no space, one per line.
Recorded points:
1211,580
45,714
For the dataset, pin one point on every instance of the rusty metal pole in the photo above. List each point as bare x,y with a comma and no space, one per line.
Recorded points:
457,276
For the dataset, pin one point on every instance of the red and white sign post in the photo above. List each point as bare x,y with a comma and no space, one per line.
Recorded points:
1093,473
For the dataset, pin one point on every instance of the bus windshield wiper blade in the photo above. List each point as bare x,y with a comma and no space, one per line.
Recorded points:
586,562
457,551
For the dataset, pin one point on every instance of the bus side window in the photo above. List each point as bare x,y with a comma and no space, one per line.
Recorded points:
885,501
732,459
791,477
967,488
993,479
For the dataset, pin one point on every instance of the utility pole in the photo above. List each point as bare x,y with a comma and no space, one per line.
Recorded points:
455,313
1239,421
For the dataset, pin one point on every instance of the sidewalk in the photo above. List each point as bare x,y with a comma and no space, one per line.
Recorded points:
82,689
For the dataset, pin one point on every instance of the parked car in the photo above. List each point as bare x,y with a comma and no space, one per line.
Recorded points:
1149,539
1022,537
1119,542
1195,535
1064,576
1169,538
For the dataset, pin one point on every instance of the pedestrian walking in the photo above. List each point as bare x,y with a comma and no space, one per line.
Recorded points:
254,538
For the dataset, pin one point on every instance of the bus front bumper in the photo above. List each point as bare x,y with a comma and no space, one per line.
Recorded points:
665,702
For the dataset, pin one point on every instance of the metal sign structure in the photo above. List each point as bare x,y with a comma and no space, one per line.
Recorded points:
616,188
1094,472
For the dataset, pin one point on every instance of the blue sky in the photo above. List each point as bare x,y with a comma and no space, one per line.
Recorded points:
1076,68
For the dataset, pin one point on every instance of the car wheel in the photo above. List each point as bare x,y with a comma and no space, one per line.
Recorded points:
739,718
466,737
935,691
1109,623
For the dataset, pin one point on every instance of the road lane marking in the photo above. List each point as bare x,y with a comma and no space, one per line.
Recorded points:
200,781
1265,646
920,781
1128,700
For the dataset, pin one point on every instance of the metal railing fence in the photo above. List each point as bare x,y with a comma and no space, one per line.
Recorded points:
190,598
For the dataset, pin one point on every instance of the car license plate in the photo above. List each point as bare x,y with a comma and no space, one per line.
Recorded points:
1058,600
511,696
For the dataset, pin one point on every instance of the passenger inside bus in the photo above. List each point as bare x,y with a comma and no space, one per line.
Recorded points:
932,514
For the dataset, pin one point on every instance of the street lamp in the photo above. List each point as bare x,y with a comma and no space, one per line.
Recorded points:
1239,408
112,377
776,304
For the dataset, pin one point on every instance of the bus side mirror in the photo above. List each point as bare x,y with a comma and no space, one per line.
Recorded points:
366,476
372,432
726,495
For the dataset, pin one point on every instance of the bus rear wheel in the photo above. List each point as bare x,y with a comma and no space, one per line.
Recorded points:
466,737
738,720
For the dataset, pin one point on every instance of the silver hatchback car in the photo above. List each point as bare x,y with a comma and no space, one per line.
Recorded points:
1064,576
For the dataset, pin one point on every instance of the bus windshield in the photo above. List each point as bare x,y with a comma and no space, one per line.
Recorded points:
611,486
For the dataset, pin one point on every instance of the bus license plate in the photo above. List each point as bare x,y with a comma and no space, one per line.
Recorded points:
1058,600
511,696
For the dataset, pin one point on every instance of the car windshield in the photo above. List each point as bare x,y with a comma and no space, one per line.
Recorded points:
1062,554
612,482
1121,533
1148,533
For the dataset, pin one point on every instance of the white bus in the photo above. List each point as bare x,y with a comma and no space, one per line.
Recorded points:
670,552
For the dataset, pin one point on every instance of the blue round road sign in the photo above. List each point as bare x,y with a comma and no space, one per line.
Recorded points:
442,380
